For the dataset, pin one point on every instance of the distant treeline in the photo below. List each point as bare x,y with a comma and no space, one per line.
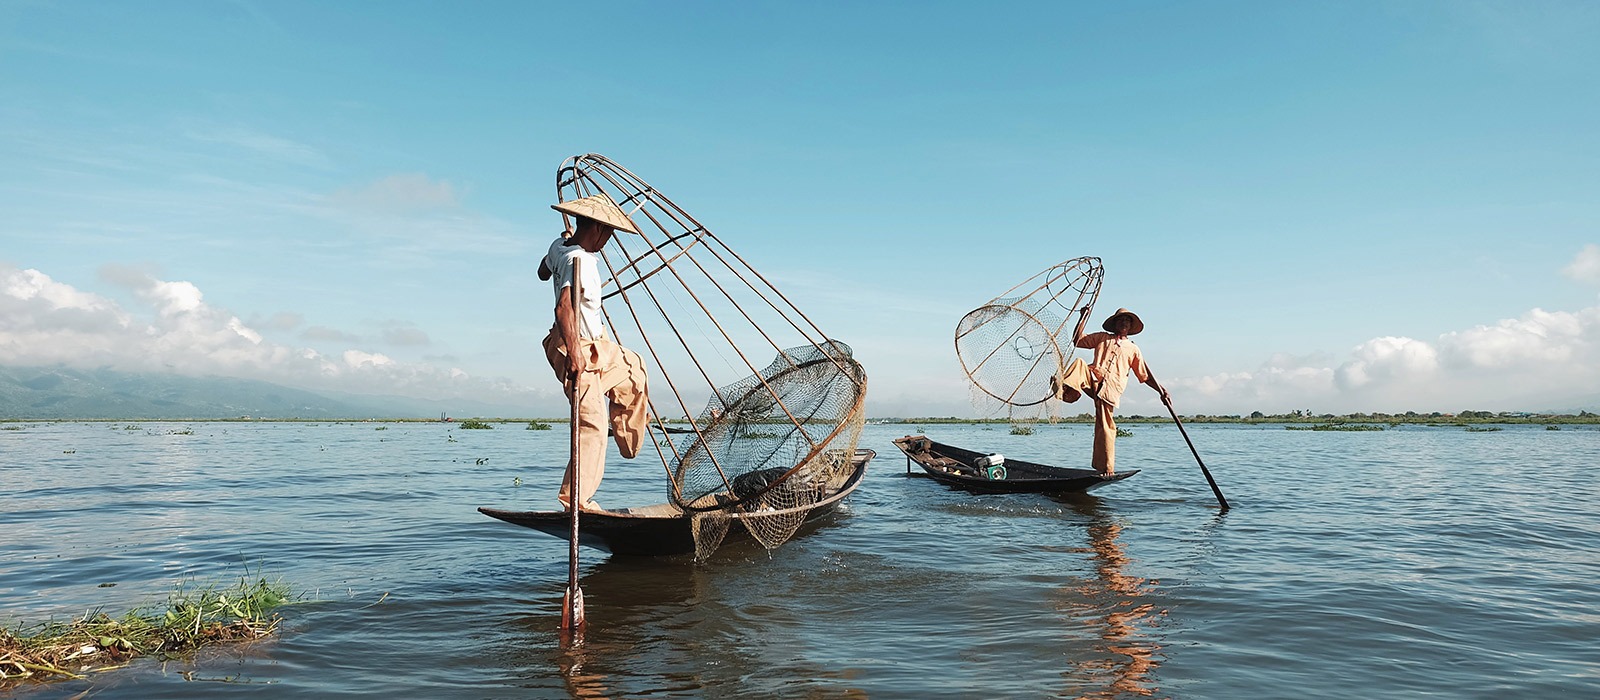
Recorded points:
1409,417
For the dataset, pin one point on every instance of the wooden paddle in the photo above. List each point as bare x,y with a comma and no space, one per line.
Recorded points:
572,617
1165,399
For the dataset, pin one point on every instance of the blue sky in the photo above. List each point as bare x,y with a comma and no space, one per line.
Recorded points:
1329,206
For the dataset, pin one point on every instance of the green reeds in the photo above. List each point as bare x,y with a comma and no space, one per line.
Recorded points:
1342,427
475,424
538,425
192,619
1021,430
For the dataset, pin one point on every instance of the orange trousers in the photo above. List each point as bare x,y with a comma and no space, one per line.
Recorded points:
615,373
1078,378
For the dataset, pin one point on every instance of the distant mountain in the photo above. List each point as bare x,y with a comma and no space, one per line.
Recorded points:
62,393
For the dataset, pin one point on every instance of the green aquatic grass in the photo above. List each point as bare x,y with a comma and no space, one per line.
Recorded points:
1340,427
1021,430
190,620
538,425
475,424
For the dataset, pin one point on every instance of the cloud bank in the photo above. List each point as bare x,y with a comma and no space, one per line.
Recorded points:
1543,360
44,322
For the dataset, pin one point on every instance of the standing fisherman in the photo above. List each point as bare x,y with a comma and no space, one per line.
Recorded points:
577,347
1114,356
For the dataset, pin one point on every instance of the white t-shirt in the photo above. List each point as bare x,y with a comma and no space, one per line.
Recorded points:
560,260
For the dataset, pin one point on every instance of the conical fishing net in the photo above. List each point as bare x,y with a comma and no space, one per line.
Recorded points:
776,442
767,437
1013,345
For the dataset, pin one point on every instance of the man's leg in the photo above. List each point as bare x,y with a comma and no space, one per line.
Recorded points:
1069,385
1105,439
591,439
630,404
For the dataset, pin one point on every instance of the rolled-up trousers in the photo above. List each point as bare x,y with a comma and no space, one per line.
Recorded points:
615,373
1105,427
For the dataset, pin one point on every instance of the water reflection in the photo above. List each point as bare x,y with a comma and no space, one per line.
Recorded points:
636,607
1115,604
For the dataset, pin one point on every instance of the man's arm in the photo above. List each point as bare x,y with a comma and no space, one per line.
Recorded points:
1149,379
1083,318
567,324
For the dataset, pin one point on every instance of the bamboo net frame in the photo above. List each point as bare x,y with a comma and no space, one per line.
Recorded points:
709,326
1012,346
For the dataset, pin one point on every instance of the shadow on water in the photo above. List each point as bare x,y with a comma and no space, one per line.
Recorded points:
657,625
1116,606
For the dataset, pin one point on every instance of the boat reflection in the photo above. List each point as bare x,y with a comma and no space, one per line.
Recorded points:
1121,661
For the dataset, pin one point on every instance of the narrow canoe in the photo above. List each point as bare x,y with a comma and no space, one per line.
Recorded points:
960,468
656,530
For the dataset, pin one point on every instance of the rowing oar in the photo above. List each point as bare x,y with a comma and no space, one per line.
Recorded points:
1165,399
572,618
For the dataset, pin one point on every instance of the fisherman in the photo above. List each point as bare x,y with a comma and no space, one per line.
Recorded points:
577,346
1105,379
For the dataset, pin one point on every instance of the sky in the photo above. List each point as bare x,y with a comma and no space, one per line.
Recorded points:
1333,207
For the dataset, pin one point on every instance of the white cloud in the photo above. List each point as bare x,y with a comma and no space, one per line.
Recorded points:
400,194
1387,360
1585,267
329,334
264,144
405,336
1539,338
1540,361
173,329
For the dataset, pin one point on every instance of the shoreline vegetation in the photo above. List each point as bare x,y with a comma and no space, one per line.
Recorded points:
192,619
1294,418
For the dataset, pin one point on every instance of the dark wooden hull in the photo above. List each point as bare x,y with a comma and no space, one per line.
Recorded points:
954,466
656,530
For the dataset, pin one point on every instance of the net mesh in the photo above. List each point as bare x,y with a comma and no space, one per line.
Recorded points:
1012,346
775,443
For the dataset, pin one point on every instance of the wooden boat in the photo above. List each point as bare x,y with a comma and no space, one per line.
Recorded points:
968,470
661,529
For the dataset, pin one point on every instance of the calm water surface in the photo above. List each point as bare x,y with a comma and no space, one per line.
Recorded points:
1410,562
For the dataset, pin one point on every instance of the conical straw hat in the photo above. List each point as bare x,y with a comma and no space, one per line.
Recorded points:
1138,325
600,208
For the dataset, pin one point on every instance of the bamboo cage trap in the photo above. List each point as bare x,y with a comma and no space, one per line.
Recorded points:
775,407
1013,346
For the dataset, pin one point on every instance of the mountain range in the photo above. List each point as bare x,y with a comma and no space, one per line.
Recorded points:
61,393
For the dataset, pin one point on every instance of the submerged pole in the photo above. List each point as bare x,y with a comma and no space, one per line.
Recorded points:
572,617
1223,502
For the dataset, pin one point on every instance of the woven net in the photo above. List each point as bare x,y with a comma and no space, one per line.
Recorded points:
1013,345
770,438
776,442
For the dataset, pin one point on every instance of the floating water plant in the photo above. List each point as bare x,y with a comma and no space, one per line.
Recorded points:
1482,429
1124,433
1341,427
98,642
1021,430
475,424
538,425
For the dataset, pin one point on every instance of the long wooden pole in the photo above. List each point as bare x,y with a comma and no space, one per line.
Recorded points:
572,617
1168,402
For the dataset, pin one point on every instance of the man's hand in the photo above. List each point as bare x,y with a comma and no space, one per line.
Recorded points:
1165,397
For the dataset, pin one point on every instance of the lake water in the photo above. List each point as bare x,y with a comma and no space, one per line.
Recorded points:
1410,562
